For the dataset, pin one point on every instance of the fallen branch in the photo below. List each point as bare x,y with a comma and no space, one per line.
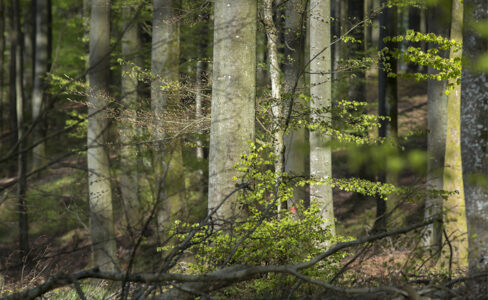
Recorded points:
220,278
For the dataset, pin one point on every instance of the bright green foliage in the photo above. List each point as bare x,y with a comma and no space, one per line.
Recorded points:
265,237
447,68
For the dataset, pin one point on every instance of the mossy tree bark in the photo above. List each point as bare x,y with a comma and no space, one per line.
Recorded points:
99,187
233,100
474,133
454,210
321,94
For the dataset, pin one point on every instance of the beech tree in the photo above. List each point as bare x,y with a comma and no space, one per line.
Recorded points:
233,99
321,94
129,177
296,141
387,104
168,160
454,208
474,128
439,20
99,187
41,64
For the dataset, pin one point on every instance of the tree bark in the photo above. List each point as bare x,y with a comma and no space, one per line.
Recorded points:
439,20
2,61
321,94
100,193
41,68
387,107
19,100
168,159
201,82
233,99
474,134
357,80
129,175
454,207
296,142
276,93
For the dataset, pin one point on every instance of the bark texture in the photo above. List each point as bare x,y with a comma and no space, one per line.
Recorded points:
296,142
41,60
355,13
436,126
454,210
276,93
387,107
474,134
233,99
168,159
129,176
100,193
320,91
16,55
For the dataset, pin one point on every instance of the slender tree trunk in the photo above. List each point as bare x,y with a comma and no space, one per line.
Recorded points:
439,21
164,66
387,107
202,82
129,175
29,28
338,22
357,87
2,61
21,158
454,207
474,134
233,100
12,88
275,74
296,142
100,193
321,93
41,69
414,14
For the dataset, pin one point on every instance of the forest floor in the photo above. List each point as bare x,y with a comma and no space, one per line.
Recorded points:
59,243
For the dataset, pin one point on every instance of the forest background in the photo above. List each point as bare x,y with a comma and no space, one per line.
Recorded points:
252,149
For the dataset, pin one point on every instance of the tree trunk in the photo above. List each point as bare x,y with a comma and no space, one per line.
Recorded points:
2,62
296,142
439,20
357,87
321,94
12,35
201,82
28,56
41,69
414,14
275,74
387,107
474,134
168,159
100,193
129,176
233,100
454,207
21,158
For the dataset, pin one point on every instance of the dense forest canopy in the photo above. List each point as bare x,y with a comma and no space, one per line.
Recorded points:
250,149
